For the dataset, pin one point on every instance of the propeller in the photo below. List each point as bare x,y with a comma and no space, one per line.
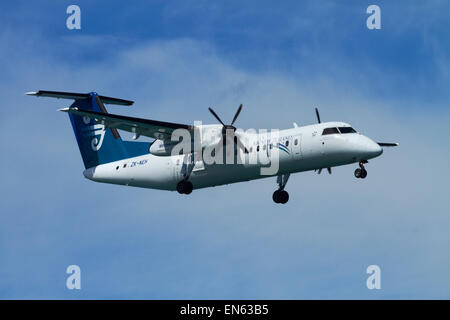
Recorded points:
226,127
318,115
318,120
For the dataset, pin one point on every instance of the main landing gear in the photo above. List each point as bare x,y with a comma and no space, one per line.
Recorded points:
281,195
361,172
185,187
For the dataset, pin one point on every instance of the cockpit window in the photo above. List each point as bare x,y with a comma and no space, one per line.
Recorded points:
330,131
347,130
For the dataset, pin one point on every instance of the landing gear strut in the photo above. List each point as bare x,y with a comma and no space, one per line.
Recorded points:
185,186
281,195
361,172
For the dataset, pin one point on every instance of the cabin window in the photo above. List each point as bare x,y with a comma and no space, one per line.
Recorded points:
347,130
287,143
251,149
330,131
257,149
296,142
117,168
270,146
125,165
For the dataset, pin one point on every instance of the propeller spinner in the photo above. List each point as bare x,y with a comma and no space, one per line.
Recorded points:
226,127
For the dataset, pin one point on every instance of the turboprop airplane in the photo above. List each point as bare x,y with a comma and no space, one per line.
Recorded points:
186,157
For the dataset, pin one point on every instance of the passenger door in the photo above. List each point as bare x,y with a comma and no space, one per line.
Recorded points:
296,146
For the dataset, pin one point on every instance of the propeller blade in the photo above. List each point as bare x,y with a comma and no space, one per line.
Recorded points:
216,116
329,170
318,115
237,114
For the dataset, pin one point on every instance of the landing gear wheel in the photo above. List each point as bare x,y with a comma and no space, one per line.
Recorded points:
276,196
188,187
185,187
280,196
363,173
180,187
284,197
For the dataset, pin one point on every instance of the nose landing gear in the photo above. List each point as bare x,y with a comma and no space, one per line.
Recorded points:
281,195
361,172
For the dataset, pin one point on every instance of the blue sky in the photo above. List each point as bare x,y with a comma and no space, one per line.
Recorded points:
177,58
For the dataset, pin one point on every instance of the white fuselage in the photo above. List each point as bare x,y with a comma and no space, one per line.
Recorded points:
305,148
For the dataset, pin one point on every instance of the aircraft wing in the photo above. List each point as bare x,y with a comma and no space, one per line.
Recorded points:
145,127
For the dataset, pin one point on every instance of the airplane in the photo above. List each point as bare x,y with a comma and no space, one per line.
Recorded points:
160,165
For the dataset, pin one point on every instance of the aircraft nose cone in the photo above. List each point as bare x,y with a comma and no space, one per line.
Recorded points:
372,149
89,173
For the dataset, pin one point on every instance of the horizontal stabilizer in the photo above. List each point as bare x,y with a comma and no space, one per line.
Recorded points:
78,96
387,144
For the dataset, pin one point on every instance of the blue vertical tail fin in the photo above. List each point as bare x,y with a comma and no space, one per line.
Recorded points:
98,145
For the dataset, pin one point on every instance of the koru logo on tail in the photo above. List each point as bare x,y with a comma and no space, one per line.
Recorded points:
94,130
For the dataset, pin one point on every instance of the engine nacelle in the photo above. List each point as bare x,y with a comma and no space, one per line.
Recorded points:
162,148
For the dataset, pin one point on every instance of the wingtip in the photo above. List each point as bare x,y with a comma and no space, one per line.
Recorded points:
31,93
